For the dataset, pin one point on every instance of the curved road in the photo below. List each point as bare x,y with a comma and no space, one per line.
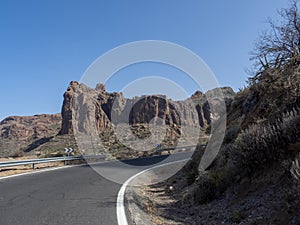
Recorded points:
75,195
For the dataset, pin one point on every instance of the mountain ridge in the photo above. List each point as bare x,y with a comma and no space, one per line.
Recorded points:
105,108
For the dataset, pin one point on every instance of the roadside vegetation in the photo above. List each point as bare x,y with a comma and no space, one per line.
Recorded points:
258,164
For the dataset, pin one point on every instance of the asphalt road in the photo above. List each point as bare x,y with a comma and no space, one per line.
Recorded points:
76,195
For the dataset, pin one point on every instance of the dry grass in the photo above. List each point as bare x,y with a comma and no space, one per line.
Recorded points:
27,168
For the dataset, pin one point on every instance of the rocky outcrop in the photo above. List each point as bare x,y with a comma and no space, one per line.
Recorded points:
66,111
255,177
97,108
256,167
21,127
95,112
18,132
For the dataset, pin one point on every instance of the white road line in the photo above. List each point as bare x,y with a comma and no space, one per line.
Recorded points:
62,167
51,169
121,214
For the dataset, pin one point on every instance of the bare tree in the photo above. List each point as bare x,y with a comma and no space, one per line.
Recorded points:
280,44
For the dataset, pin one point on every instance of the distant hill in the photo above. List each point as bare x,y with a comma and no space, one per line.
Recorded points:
21,134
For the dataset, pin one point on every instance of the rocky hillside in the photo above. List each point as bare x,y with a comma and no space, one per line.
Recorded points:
113,107
22,134
96,113
255,178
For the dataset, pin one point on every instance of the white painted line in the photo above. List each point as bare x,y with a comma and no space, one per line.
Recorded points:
62,167
121,214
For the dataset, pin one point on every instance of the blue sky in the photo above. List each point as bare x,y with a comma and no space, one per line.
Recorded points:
46,44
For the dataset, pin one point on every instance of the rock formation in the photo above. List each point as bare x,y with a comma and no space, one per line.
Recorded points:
95,113
89,113
18,132
113,108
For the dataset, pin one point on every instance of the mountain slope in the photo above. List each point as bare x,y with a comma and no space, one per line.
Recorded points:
21,134
255,178
96,113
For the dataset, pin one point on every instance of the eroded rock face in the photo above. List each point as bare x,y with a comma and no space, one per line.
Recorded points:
95,112
18,132
67,106
95,108
20,127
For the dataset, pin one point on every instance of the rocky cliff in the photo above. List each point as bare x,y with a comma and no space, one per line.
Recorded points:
94,112
114,108
21,133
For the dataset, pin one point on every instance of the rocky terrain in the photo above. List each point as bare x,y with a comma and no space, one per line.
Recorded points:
108,122
255,177
93,113
20,135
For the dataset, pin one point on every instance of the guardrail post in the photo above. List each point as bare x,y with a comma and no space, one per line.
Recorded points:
33,166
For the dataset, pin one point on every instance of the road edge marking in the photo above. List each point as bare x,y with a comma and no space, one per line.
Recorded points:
121,213
65,167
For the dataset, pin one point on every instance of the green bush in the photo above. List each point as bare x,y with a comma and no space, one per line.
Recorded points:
238,216
221,179
205,191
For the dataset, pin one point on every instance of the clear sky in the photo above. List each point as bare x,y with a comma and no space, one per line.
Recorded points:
46,44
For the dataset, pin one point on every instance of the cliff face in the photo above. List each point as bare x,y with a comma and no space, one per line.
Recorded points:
126,124
18,132
94,111
66,111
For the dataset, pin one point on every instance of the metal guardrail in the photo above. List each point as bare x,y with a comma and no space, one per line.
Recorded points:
177,148
47,160
70,158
